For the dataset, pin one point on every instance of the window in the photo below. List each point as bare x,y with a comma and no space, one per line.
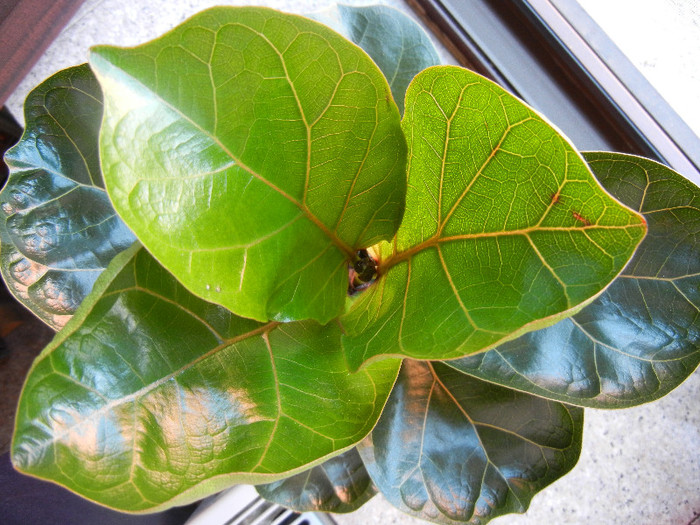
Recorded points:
553,55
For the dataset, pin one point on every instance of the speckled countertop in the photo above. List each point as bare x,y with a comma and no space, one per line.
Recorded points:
638,466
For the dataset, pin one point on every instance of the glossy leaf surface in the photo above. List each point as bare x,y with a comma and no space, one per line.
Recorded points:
505,231
641,338
398,45
450,448
253,153
151,397
340,484
58,230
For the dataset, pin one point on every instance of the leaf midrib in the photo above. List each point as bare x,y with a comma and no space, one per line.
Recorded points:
439,382
339,243
437,240
155,384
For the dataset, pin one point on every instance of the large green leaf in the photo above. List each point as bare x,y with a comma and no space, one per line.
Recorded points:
340,484
151,397
641,338
253,153
58,230
398,45
450,448
506,230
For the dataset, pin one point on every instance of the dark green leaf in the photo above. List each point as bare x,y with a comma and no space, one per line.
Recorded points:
506,230
450,448
641,338
151,397
340,484
58,230
253,153
397,44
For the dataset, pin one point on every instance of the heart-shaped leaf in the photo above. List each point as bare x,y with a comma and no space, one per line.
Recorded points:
340,484
58,230
506,230
398,45
151,397
253,153
451,449
641,338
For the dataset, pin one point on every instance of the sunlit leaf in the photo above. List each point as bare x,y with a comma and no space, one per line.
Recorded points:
253,153
340,484
450,448
641,338
399,46
151,397
506,230
58,230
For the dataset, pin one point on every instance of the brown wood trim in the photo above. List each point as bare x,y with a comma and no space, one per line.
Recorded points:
27,28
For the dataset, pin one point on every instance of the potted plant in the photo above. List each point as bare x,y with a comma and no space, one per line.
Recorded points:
271,265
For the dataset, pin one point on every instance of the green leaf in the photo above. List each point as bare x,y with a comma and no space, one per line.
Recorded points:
397,44
58,230
451,449
151,397
506,230
641,338
253,153
340,484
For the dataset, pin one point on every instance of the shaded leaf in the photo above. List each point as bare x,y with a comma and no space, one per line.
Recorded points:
450,448
398,45
22,337
506,230
10,132
58,230
641,338
151,397
340,484
253,153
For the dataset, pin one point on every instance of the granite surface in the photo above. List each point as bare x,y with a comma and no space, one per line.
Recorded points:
638,466
114,22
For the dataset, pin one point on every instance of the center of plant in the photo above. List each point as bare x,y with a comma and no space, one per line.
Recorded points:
362,272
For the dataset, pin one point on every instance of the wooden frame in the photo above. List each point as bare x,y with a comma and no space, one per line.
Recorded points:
27,28
543,51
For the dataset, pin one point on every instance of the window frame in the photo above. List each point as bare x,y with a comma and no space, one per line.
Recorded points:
554,56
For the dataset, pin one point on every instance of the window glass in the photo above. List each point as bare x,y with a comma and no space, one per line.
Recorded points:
662,39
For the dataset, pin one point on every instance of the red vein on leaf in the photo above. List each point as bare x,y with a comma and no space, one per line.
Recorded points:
436,241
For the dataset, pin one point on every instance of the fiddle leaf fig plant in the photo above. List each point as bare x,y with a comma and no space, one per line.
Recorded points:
58,229
469,268
640,338
264,231
317,261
